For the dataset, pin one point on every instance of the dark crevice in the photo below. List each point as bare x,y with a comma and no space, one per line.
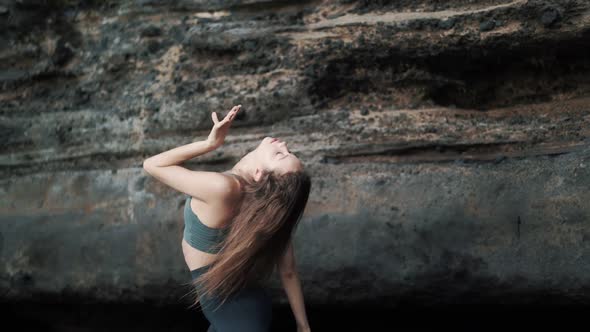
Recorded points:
486,152
272,7
365,6
500,73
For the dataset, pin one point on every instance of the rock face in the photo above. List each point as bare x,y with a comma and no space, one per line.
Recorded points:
448,143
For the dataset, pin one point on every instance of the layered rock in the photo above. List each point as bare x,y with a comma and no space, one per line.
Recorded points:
448,143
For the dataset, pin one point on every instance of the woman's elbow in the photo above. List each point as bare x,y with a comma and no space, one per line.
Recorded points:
148,165
287,273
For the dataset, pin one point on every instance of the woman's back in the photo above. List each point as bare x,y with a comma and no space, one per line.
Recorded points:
205,226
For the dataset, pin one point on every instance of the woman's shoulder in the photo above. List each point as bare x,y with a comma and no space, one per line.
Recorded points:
221,189
216,213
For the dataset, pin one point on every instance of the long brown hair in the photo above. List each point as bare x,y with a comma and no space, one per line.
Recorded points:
258,236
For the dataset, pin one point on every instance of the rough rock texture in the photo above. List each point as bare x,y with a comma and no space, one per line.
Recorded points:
447,140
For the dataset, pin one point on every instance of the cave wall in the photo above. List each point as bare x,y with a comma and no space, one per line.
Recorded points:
448,142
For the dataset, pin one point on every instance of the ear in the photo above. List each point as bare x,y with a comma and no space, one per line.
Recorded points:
258,174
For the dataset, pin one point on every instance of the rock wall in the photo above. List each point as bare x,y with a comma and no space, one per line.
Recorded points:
448,142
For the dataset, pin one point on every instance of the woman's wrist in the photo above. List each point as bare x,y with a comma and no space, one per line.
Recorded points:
303,325
211,146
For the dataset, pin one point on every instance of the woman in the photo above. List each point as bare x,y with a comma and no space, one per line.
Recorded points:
238,227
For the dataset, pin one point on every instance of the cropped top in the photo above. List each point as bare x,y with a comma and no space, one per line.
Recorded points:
199,235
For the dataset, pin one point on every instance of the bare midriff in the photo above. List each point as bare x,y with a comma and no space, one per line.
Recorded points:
196,258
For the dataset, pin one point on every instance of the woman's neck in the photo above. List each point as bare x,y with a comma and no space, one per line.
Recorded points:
235,171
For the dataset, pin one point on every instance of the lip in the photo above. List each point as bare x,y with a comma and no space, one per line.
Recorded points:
274,139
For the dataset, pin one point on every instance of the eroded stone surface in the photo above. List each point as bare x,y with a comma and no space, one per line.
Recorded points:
448,142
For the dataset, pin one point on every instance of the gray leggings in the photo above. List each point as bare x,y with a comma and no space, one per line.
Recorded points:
248,310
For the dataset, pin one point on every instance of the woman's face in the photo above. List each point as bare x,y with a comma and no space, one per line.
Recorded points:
272,154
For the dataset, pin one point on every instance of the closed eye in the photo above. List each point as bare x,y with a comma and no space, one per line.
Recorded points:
283,157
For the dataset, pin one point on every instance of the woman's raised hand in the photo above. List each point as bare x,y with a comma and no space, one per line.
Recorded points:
220,128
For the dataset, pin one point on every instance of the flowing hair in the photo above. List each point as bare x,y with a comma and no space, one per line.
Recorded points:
258,236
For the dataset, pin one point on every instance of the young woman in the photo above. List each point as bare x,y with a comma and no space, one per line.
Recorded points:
238,227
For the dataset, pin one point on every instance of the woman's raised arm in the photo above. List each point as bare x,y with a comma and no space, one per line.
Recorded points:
206,186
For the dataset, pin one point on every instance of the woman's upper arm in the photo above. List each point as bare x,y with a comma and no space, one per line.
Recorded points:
209,187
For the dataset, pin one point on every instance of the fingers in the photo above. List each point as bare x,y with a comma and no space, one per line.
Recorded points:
235,112
232,113
229,117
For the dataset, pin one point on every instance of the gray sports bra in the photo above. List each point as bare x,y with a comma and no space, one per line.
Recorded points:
199,235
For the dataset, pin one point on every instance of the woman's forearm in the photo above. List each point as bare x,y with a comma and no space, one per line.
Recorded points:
292,286
179,154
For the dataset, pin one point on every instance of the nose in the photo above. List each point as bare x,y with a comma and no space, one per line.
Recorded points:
278,141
